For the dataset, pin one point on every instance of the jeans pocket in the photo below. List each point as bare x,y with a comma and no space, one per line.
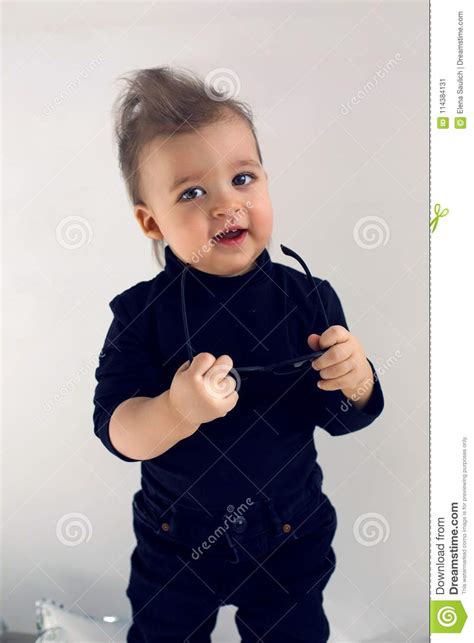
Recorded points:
170,525
146,519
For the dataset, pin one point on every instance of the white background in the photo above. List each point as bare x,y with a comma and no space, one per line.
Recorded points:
297,64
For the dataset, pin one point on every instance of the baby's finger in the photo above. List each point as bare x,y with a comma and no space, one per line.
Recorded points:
231,401
333,335
183,367
336,383
221,367
201,363
217,381
334,355
337,370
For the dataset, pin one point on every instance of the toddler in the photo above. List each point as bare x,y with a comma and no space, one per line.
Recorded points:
200,380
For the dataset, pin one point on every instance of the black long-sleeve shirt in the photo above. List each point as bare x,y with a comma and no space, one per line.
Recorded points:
263,316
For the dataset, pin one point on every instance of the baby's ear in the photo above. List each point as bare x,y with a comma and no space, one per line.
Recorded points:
147,222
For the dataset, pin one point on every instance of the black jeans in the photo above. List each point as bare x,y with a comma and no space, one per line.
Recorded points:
271,560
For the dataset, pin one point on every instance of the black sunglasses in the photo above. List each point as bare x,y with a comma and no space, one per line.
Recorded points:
285,367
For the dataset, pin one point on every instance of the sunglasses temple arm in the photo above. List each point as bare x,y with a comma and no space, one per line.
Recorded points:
320,302
185,319
292,253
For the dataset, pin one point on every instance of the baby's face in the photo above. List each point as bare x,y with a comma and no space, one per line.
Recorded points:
202,183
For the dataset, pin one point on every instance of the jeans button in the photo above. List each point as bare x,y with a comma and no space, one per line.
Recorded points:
239,524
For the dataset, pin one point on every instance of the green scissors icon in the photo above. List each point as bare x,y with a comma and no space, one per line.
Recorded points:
438,214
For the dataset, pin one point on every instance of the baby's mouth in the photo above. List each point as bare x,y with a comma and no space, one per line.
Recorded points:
230,234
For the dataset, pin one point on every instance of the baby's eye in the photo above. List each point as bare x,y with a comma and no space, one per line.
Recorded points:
190,193
245,174
183,197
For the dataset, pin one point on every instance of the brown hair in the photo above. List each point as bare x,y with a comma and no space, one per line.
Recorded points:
165,101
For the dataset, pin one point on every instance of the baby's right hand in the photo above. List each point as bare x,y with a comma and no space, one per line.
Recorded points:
203,391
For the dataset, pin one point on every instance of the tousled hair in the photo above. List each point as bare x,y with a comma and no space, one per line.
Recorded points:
165,101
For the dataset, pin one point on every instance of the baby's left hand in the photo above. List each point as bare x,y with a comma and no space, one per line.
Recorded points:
344,366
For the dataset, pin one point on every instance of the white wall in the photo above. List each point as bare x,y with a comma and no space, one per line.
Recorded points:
297,63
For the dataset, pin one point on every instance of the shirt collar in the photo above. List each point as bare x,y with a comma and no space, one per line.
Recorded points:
260,273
